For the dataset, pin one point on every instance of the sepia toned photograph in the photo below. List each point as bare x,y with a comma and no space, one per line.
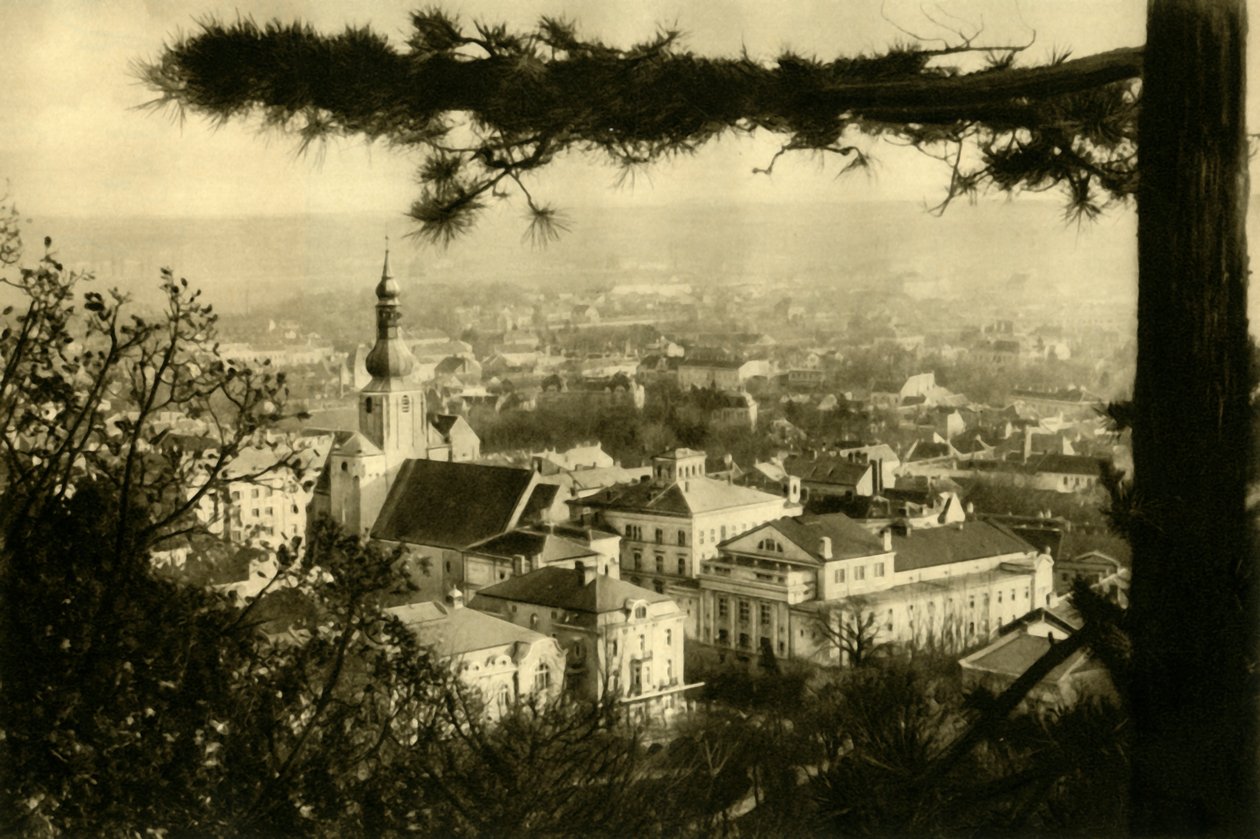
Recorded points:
595,418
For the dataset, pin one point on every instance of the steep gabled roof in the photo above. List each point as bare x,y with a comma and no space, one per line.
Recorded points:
564,588
451,505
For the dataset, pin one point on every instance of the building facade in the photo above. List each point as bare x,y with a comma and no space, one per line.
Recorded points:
797,585
620,640
675,520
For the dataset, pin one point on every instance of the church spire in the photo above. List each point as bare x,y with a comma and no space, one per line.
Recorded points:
389,358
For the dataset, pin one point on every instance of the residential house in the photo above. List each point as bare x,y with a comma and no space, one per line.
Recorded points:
1022,642
1092,566
620,640
503,662
527,549
718,373
833,476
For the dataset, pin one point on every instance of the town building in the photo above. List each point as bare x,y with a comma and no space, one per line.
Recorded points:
676,519
503,662
620,640
436,511
1022,642
789,584
394,426
529,548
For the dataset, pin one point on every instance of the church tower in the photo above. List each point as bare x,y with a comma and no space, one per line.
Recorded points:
391,406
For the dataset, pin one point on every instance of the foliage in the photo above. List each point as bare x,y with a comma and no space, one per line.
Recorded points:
487,106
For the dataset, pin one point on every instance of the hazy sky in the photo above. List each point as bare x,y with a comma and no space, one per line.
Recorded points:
72,142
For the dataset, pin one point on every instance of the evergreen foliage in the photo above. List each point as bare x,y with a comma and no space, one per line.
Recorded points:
485,106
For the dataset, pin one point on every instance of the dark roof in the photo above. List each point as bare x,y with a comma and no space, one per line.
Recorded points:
451,505
827,469
1069,464
929,547
926,449
1011,655
528,542
563,588
681,498
543,496
443,423
848,538
721,363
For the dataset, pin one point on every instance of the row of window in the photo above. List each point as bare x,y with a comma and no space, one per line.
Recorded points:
859,572
660,564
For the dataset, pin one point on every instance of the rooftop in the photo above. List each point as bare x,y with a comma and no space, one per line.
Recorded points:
451,505
929,547
564,588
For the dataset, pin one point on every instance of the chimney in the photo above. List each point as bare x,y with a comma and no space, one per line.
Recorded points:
887,533
824,547
455,598
585,574
793,489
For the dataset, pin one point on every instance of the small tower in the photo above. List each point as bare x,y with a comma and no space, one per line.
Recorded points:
391,406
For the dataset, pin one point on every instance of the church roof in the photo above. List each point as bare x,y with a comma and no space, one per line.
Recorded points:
451,505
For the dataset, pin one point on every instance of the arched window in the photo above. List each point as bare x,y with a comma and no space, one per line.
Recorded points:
640,612
542,677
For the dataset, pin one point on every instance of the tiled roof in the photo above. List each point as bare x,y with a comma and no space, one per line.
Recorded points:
563,588
682,498
531,542
926,449
543,496
827,469
1011,655
451,505
848,538
929,547
1069,464
455,631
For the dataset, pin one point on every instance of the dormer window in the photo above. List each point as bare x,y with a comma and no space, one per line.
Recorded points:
640,612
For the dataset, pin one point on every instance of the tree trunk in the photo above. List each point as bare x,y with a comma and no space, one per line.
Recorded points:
1192,601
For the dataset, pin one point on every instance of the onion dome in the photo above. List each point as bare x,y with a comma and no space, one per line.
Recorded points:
389,358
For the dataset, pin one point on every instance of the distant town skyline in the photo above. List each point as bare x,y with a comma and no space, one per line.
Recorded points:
75,143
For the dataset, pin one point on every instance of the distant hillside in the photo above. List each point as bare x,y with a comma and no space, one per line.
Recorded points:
248,262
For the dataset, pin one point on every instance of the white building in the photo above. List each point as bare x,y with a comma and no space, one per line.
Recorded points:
675,520
503,662
621,640
783,583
